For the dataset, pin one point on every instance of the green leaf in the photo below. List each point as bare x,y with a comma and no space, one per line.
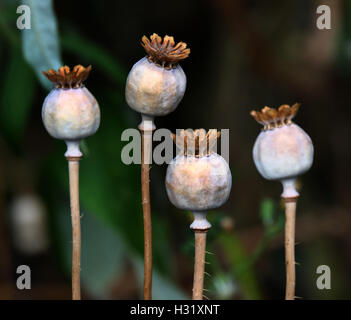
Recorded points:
16,97
240,266
103,252
7,20
40,44
92,53
267,212
161,287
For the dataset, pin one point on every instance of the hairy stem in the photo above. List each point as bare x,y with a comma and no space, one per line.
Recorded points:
73,167
199,264
290,214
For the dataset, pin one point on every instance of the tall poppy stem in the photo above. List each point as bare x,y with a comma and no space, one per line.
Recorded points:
146,127
200,226
199,264
290,216
73,168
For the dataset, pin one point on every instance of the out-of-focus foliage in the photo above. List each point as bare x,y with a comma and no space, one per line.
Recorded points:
105,255
245,54
40,44
90,51
16,104
241,268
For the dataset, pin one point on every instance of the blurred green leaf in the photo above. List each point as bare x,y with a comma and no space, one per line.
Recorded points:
84,148
104,257
16,96
7,19
103,252
240,266
272,229
161,287
267,212
40,44
94,54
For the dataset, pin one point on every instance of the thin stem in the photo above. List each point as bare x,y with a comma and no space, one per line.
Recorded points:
73,167
146,127
290,214
199,264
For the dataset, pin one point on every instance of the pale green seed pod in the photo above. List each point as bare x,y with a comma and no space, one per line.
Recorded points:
154,90
282,151
200,180
156,84
70,112
198,184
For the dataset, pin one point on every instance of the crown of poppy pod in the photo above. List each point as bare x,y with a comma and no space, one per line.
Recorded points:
196,142
164,52
66,79
272,118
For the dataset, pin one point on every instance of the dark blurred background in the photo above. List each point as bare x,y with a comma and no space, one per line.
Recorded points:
244,55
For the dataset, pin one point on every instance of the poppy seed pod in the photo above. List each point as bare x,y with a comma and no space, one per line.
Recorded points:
198,179
70,112
282,151
156,84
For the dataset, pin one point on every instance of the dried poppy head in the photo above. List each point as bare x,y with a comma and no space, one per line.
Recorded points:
198,179
70,112
282,151
156,84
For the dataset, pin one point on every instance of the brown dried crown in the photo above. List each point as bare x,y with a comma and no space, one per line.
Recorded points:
164,52
196,142
66,79
272,118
